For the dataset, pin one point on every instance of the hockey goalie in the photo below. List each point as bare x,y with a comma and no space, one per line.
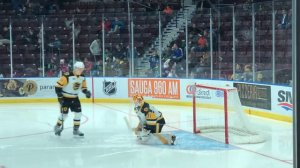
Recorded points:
151,122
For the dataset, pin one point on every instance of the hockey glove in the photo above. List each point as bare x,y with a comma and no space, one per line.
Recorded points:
87,93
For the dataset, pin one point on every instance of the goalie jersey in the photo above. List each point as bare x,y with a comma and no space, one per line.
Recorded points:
71,84
150,117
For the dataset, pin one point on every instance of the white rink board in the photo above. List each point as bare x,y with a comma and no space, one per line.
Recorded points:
185,88
117,88
282,100
114,87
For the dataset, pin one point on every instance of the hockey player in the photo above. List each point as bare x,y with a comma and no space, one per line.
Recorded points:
151,122
67,89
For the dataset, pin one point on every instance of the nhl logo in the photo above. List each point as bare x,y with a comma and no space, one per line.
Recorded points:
109,87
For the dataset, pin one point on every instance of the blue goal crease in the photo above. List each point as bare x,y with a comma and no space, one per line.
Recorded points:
190,141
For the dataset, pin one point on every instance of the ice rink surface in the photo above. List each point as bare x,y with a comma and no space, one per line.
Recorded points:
27,141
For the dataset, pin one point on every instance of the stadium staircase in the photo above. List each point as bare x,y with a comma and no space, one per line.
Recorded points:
169,34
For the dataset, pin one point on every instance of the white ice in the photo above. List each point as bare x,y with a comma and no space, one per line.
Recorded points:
27,141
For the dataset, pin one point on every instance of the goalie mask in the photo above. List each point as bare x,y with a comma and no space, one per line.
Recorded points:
138,99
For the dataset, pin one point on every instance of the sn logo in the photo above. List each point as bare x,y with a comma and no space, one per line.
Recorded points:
285,96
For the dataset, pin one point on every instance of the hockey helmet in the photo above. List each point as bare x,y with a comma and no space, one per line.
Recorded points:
137,98
79,65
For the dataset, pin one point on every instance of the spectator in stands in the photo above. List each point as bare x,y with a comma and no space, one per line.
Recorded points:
180,41
63,66
108,56
168,11
166,53
238,73
193,42
55,44
194,30
97,68
107,27
154,63
259,77
166,68
18,6
95,49
119,53
199,72
284,21
202,44
29,7
4,36
129,51
51,68
117,25
169,68
68,23
247,75
172,73
29,37
88,66
108,64
176,54
51,6
172,70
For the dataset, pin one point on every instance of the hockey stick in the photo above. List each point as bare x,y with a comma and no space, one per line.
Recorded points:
128,125
130,128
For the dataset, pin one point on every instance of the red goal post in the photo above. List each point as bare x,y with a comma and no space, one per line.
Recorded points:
228,120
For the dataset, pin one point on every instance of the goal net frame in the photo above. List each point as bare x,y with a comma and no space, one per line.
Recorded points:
246,132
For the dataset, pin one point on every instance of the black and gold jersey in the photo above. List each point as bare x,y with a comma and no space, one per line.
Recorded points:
149,114
71,84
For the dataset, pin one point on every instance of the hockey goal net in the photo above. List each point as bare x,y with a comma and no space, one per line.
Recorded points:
218,114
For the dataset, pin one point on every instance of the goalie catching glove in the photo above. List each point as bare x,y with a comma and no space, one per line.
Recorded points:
87,93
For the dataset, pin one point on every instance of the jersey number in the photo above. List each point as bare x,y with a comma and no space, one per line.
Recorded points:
151,116
76,86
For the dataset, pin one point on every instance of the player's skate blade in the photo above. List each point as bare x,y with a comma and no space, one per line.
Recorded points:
78,133
173,138
57,130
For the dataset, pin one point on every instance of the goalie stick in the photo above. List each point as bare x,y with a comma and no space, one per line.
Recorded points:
146,135
128,125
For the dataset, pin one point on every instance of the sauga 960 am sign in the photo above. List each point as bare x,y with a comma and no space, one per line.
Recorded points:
156,88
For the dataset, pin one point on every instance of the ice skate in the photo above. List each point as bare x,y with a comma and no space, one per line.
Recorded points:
76,132
173,138
57,130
